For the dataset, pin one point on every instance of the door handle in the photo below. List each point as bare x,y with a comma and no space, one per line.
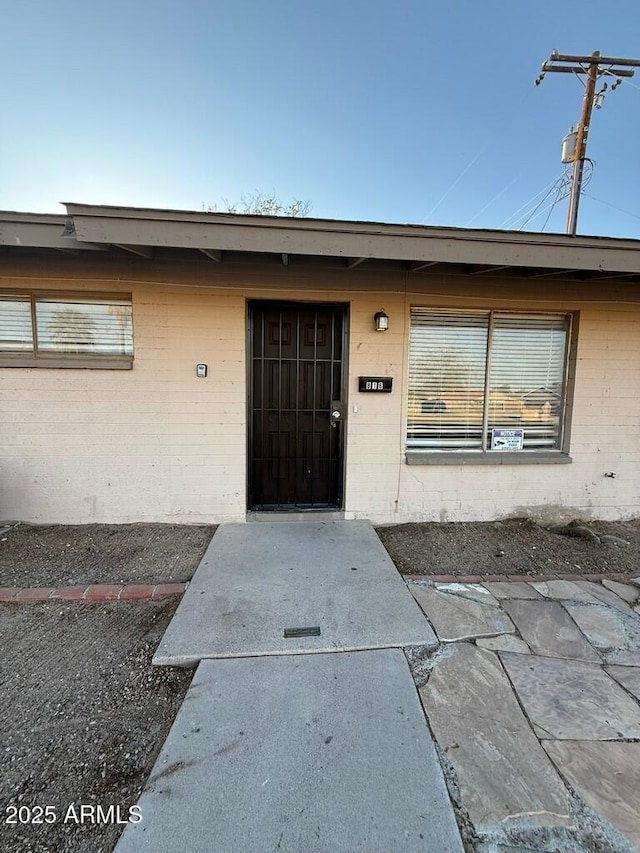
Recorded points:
337,412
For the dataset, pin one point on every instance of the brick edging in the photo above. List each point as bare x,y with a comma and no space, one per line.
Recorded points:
514,578
92,592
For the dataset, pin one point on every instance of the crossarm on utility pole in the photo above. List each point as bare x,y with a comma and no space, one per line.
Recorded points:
591,66
578,69
602,60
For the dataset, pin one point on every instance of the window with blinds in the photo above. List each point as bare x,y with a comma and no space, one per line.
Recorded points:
475,372
16,332
65,331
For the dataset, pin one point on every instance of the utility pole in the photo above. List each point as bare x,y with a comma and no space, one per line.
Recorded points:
592,67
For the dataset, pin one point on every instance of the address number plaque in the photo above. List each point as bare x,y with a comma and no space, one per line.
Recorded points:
375,383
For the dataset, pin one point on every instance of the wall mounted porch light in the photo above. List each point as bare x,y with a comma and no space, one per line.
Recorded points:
382,321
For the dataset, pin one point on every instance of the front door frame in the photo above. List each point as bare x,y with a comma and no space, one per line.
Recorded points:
344,379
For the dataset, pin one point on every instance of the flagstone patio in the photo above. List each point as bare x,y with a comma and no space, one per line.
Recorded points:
534,700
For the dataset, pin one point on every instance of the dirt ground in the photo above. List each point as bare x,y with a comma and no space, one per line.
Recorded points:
515,547
84,714
64,555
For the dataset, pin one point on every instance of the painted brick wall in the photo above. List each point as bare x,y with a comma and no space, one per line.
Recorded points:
157,444
154,443
605,425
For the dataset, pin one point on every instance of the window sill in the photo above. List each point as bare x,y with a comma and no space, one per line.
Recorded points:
478,457
90,362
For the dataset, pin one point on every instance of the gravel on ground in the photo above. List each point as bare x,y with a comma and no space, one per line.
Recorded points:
65,555
516,546
83,711
84,715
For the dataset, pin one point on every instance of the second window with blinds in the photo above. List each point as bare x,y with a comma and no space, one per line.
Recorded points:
487,380
41,329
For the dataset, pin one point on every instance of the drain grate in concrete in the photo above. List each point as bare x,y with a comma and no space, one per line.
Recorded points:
312,631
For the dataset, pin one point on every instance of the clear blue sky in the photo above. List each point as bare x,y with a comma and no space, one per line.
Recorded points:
387,110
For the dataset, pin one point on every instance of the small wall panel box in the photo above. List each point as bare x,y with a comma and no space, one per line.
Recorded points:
201,371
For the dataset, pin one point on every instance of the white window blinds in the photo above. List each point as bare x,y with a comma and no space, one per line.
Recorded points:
526,376
84,326
446,379
73,330
16,331
472,372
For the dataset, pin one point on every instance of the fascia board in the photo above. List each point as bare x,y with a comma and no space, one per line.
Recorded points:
41,234
384,243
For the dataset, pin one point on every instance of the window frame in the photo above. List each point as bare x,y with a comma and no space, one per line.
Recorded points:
42,359
484,455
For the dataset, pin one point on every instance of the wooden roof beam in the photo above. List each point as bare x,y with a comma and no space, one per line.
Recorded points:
141,251
212,254
422,265
609,277
550,273
490,269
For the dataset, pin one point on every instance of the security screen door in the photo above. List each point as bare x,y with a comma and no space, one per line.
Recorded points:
295,427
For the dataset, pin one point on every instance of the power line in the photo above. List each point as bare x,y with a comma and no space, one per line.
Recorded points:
531,211
514,216
562,192
629,83
558,198
608,204
533,214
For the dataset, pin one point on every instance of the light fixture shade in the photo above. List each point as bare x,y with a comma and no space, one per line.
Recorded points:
382,321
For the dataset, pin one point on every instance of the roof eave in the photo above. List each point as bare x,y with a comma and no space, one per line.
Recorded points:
141,231
349,240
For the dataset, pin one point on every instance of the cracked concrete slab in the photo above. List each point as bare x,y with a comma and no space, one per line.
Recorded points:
607,777
455,618
570,699
548,629
502,773
628,677
328,753
606,627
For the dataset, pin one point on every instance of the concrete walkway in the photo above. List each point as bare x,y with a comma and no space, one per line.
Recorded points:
531,689
302,729
297,753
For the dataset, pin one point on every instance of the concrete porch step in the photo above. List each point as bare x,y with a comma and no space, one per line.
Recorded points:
293,588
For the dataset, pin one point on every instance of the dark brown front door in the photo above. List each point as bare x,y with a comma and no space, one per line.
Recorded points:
295,444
